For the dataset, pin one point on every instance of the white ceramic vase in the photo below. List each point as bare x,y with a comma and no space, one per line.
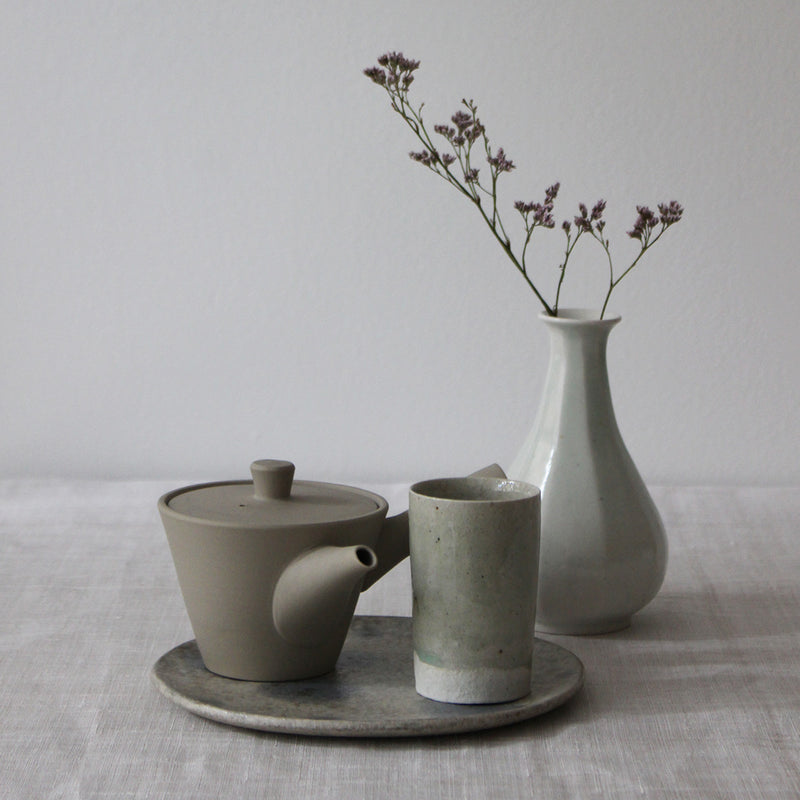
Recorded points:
603,551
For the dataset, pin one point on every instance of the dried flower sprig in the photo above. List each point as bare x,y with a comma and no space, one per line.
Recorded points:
466,137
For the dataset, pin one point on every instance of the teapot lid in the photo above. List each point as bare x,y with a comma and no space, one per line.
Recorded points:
271,500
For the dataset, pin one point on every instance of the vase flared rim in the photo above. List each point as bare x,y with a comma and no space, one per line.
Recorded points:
580,316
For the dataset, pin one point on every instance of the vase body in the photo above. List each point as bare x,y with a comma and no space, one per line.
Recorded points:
603,551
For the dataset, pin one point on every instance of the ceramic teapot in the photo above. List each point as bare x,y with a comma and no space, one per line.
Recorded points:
271,569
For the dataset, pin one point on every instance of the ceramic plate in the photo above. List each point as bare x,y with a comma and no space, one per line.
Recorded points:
369,694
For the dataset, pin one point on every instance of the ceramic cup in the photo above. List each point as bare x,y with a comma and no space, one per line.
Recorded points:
474,556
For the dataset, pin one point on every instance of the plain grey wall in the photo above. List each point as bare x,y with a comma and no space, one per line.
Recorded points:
215,248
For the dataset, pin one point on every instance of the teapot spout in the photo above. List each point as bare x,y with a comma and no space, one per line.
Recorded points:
392,546
319,590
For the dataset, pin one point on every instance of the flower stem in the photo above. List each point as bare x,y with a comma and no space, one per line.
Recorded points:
413,119
395,74
646,245
567,254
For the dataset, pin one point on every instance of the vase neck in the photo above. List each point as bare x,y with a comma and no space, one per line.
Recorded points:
578,340
578,370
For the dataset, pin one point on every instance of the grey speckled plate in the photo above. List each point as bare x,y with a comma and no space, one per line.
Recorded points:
370,693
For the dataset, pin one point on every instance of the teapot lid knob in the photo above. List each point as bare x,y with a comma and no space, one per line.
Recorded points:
272,479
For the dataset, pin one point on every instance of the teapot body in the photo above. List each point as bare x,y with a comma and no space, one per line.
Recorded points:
228,574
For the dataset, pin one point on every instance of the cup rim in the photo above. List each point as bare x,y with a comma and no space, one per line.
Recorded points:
454,490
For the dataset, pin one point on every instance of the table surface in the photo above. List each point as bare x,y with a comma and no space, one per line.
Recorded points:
699,698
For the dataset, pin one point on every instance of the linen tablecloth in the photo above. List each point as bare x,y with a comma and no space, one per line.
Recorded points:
699,698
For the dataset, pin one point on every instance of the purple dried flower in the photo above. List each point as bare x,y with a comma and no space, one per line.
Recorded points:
542,212
461,120
469,127
500,161
423,157
583,223
376,75
471,175
542,215
397,62
430,158
475,132
598,209
446,131
566,226
396,75
645,223
670,212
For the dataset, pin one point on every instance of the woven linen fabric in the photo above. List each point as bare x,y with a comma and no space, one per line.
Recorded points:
700,697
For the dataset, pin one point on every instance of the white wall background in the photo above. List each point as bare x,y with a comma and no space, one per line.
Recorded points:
214,248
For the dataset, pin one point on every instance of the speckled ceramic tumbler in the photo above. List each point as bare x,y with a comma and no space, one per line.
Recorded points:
474,555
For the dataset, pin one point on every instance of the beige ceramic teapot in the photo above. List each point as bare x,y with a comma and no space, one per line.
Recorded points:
271,569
